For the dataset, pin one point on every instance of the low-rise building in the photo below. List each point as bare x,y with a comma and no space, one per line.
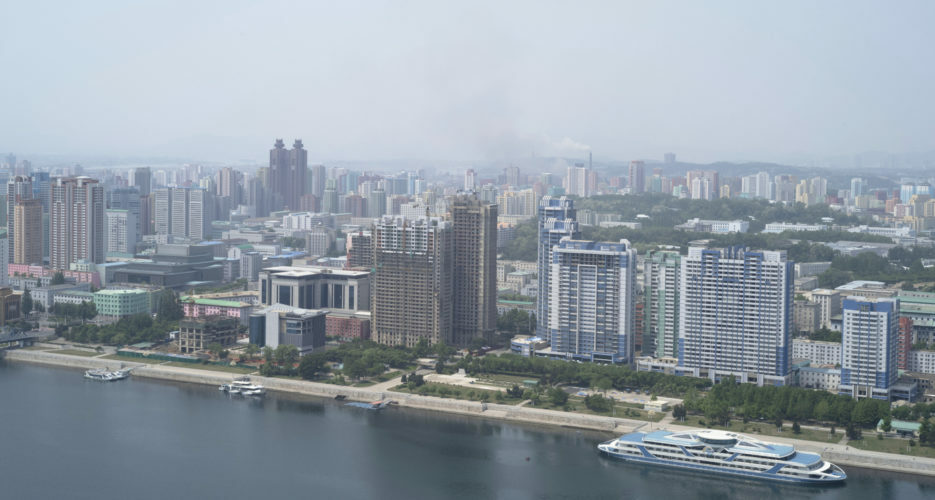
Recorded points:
922,361
714,226
197,307
348,326
806,316
10,305
120,303
803,269
817,352
196,334
525,345
826,378
284,325
781,227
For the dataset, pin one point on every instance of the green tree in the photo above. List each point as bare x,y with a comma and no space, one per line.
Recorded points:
58,278
796,428
169,308
27,301
215,349
268,355
311,365
678,411
557,396
251,351
887,424
286,355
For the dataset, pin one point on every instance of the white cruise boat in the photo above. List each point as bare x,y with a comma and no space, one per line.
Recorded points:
242,385
106,375
723,452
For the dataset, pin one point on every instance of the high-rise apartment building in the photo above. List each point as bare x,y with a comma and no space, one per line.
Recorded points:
474,229
287,173
592,299
637,176
27,229
4,259
412,281
76,220
316,181
735,315
120,235
329,201
181,212
470,180
129,199
556,221
661,282
142,178
360,250
17,189
580,181
511,175
869,347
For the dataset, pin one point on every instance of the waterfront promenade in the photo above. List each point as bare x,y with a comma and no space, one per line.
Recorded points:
839,454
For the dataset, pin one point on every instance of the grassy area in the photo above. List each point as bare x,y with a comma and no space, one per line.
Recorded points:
76,352
132,359
892,445
36,348
243,370
766,429
621,410
458,392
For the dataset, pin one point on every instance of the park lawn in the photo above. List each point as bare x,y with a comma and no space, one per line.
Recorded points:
621,410
458,392
36,348
132,359
77,352
891,445
759,429
364,383
243,370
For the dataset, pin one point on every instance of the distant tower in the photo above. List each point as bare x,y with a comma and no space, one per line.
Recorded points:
77,222
637,177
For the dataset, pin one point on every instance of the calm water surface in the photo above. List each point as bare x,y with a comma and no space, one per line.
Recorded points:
67,437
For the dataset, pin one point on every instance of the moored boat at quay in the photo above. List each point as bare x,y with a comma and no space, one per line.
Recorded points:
723,452
243,386
106,375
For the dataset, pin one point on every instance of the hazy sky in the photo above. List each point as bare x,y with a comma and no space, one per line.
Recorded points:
468,80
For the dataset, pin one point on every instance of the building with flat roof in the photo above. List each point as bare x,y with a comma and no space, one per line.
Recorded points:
474,233
919,307
736,315
198,307
869,347
557,220
697,225
10,305
593,299
122,302
285,325
661,281
315,288
196,334
173,266
817,352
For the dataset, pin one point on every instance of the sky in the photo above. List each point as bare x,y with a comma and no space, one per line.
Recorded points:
470,80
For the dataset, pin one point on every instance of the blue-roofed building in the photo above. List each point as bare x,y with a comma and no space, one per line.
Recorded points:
869,347
593,297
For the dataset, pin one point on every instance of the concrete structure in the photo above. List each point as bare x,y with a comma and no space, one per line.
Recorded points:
817,352
921,362
806,316
919,307
412,281
287,174
825,378
736,315
122,302
661,283
196,334
318,241
76,219
592,299
120,235
18,189
556,221
315,288
637,177
4,258
829,302
360,250
182,212
527,346
803,269
868,289
199,307
868,355
27,239
250,264
780,227
714,226
348,326
10,305
474,248
283,325
173,266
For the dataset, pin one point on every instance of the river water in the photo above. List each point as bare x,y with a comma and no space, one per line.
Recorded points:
67,437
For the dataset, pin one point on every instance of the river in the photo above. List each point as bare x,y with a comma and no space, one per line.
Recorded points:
67,437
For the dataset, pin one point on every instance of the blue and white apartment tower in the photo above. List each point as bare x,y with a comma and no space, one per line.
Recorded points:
556,221
869,347
735,315
592,299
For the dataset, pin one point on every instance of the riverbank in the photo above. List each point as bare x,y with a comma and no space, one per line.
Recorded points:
839,454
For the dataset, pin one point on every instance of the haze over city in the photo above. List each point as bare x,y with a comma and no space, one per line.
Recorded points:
797,83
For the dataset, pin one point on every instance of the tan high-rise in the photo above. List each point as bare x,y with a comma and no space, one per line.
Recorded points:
474,227
27,241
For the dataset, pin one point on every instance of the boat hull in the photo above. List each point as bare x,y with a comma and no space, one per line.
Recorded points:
721,470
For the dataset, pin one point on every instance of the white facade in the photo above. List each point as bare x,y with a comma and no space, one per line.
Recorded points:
817,352
661,283
922,361
826,379
868,353
736,314
803,269
779,227
120,231
829,302
592,300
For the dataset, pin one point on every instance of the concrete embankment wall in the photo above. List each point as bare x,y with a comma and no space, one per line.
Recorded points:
832,452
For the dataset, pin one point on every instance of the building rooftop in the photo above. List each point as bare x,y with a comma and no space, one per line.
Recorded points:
301,272
121,292
216,302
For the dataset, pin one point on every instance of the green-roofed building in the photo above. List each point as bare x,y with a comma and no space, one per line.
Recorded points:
122,302
902,428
